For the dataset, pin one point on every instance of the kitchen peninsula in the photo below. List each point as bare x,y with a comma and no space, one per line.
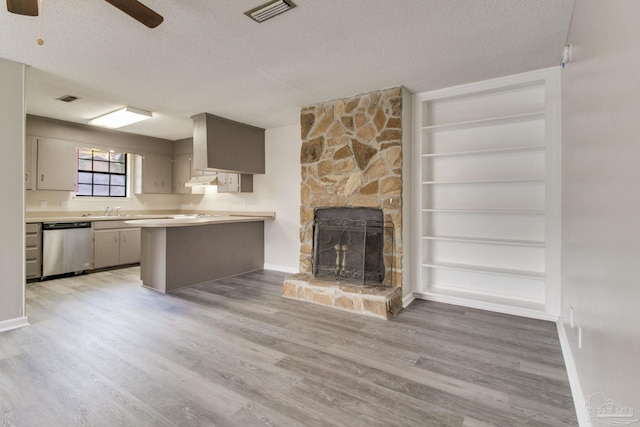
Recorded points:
187,250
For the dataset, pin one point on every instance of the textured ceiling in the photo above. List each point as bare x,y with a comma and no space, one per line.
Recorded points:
207,56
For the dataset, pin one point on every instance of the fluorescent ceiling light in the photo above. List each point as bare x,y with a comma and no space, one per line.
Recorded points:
122,117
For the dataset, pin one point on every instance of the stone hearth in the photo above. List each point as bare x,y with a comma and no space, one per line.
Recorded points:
378,301
351,156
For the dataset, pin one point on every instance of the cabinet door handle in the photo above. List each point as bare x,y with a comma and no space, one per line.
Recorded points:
26,176
115,239
42,177
124,239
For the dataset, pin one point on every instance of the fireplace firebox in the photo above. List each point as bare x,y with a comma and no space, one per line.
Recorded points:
348,245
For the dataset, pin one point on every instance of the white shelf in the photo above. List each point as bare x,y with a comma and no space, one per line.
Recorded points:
487,270
488,168
487,122
487,211
507,242
497,303
485,181
487,151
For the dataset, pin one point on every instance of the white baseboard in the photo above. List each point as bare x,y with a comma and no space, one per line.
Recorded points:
408,299
572,373
281,268
18,322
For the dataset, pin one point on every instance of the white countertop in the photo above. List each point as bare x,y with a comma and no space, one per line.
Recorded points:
164,217
189,221
91,218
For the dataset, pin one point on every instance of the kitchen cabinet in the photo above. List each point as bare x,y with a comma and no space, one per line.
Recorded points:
57,165
154,174
33,251
234,183
181,173
224,145
30,156
114,243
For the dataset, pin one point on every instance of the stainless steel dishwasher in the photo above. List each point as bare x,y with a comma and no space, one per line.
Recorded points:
67,247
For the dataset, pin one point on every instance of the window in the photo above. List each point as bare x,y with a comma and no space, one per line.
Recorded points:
101,173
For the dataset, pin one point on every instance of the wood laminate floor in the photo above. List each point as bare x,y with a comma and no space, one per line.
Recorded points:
101,350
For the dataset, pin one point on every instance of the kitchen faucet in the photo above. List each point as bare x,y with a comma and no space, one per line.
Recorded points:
106,211
117,209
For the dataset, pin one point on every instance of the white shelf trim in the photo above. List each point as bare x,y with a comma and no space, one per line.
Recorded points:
487,151
485,181
507,242
488,121
526,274
471,300
488,211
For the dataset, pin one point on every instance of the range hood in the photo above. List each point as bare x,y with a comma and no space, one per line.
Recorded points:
202,181
223,145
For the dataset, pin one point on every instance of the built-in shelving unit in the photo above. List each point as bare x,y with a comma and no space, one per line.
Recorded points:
487,186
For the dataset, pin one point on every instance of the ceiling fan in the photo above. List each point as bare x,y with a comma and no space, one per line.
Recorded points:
133,8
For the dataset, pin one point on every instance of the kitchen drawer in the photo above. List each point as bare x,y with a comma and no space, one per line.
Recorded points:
32,253
32,240
32,270
109,224
32,228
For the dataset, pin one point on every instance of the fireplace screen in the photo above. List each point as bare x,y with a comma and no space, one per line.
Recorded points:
348,244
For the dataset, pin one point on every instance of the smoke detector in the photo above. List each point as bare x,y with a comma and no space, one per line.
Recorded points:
269,10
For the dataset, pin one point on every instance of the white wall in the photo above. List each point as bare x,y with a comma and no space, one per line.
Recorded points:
601,199
278,190
11,192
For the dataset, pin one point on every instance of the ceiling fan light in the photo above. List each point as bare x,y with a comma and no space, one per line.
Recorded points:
122,117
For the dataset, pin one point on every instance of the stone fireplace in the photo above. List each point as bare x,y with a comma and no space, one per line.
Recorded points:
351,159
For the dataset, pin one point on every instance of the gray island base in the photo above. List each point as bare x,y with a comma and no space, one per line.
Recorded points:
182,252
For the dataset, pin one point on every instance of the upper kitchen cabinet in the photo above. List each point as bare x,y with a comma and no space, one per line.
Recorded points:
235,182
154,174
181,173
30,156
226,146
57,165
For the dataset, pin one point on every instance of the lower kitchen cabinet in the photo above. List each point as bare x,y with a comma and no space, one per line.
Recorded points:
33,251
113,246
130,246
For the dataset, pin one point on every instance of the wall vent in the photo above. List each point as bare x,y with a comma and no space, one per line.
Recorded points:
269,10
67,98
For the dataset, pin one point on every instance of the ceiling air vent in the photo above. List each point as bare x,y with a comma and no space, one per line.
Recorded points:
67,98
269,10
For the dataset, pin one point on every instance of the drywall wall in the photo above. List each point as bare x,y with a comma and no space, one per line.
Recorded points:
94,137
601,202
278,190
12,213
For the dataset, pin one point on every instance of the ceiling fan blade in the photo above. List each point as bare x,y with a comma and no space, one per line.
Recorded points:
138,11
23,7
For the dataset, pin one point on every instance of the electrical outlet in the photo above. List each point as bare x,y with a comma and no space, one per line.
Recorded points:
579,337
43,204
571,318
